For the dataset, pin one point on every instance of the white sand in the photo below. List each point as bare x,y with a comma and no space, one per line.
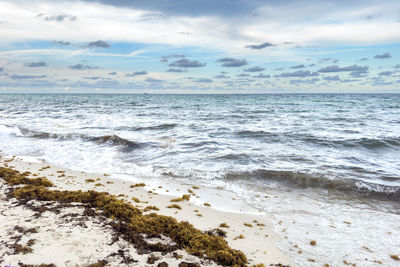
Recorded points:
68,244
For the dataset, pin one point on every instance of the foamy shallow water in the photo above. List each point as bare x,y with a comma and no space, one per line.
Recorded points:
325,167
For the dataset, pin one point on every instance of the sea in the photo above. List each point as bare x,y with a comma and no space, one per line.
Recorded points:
323,167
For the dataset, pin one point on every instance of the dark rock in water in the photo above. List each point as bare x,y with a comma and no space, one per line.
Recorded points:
162,264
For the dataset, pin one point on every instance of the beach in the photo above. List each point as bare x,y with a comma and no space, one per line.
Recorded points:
60,241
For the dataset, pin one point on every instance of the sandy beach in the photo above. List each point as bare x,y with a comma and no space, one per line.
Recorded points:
68,236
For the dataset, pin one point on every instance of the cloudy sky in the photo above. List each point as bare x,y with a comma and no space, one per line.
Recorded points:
208,46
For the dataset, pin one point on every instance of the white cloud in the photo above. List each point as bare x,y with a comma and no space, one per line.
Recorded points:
323,24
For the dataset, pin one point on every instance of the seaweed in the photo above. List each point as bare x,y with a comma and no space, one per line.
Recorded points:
14,177
248,224
313,243
101,263
90,180
182,198
130,222
174,206
150,208
137,185
136,199
207,204
224,225
36,265
395,257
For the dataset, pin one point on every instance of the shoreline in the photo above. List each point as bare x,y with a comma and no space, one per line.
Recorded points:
258,242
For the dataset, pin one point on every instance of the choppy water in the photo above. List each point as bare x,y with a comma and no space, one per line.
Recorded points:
318,158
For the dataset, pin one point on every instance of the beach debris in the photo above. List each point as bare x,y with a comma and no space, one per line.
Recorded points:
313,243
152,259
101,263
207,204
90,181
248,224
195,187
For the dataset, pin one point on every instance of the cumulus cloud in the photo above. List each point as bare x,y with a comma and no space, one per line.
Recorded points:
153,80
64,43
27,77
35,64
397,66
383,56
137,73
1,69
299,73
58,18
112,73
98,44
336,68
331,78
232,62
385,73
254,69
203,80
307,81
91,77
260,46
243,75
263,76
82,67
175,70
298,67
221,76
185,63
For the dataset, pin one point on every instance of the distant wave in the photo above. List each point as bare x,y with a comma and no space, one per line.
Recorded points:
164,126
367,143
302,180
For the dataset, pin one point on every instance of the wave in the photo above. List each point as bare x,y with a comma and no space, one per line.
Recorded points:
302,180
115,140
112,140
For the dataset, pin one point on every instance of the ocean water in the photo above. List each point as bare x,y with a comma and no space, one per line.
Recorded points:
325,167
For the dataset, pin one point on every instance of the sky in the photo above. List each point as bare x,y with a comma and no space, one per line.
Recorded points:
207,46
